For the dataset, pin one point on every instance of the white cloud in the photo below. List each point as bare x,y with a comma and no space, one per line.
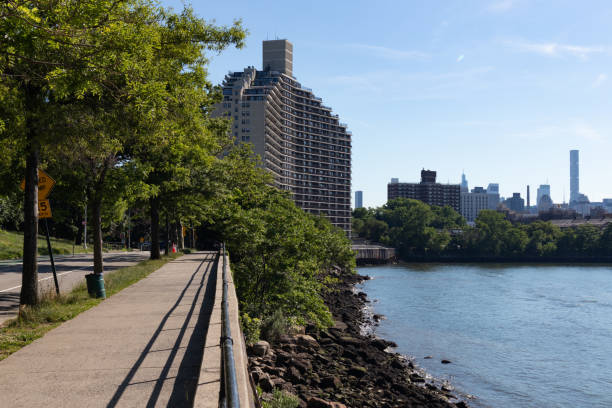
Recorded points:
460,58
557,50
501,6
599,81
587,132
416,86
390,53
574,129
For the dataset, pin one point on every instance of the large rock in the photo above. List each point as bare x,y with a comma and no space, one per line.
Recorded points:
302,364
305,340
331,381
293,375
357,371
315,402
266,384
347,340
282,357
380,344
261,348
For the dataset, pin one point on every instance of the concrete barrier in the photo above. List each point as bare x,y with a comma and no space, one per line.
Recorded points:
209,389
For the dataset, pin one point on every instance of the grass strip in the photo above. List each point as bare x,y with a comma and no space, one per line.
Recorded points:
34,322
11,245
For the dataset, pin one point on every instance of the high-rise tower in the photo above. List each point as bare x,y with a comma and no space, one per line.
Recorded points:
574,176
358,199
464,183
300,141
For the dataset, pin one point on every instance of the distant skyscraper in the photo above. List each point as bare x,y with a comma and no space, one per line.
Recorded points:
358,199
574,176
493,194
543,190
464,183
394,180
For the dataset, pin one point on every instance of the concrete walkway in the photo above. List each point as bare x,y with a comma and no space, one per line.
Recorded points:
139,348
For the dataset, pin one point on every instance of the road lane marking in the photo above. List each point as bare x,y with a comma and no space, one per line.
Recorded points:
134,255
49,277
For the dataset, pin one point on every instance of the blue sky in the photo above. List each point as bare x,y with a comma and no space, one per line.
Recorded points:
502,89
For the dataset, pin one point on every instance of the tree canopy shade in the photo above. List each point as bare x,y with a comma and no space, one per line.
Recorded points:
97,75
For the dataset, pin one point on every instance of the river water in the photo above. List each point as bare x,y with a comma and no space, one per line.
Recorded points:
517,335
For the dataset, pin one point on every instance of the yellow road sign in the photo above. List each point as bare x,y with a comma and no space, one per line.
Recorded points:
45,184
44,209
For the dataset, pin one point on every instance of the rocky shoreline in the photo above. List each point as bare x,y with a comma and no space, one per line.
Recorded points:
344,366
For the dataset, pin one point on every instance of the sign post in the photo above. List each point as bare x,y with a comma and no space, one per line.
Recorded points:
45,185
51,258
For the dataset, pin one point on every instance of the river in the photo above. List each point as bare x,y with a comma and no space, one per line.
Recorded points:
516,335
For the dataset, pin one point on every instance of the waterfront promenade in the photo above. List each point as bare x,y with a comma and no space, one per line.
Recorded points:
143,346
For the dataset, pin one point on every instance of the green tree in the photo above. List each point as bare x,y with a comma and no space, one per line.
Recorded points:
542,237
54,53
605,240
446,218
497,236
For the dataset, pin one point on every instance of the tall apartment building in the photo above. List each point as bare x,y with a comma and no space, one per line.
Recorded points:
427,190
474,202
301,142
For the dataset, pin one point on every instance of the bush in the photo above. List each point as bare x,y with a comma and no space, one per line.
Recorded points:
251,327
281,399
274,326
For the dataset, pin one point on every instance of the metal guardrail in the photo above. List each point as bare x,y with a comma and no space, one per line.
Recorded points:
231,400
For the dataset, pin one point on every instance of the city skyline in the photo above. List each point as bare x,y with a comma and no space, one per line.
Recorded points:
502,89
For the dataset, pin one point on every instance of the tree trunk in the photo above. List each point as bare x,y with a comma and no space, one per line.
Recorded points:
96,221
29,277
154,202
167,235
181,240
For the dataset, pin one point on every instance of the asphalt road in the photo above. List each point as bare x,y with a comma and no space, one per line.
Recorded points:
71,270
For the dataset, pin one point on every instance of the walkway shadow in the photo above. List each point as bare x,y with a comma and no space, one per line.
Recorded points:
185,383
183,393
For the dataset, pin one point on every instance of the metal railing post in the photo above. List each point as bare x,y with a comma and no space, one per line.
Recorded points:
232,400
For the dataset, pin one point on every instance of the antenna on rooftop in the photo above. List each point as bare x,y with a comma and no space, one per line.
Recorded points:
563,194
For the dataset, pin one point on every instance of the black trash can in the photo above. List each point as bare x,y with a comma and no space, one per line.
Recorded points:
90,285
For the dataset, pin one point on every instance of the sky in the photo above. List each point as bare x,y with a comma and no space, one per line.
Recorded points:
498,89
